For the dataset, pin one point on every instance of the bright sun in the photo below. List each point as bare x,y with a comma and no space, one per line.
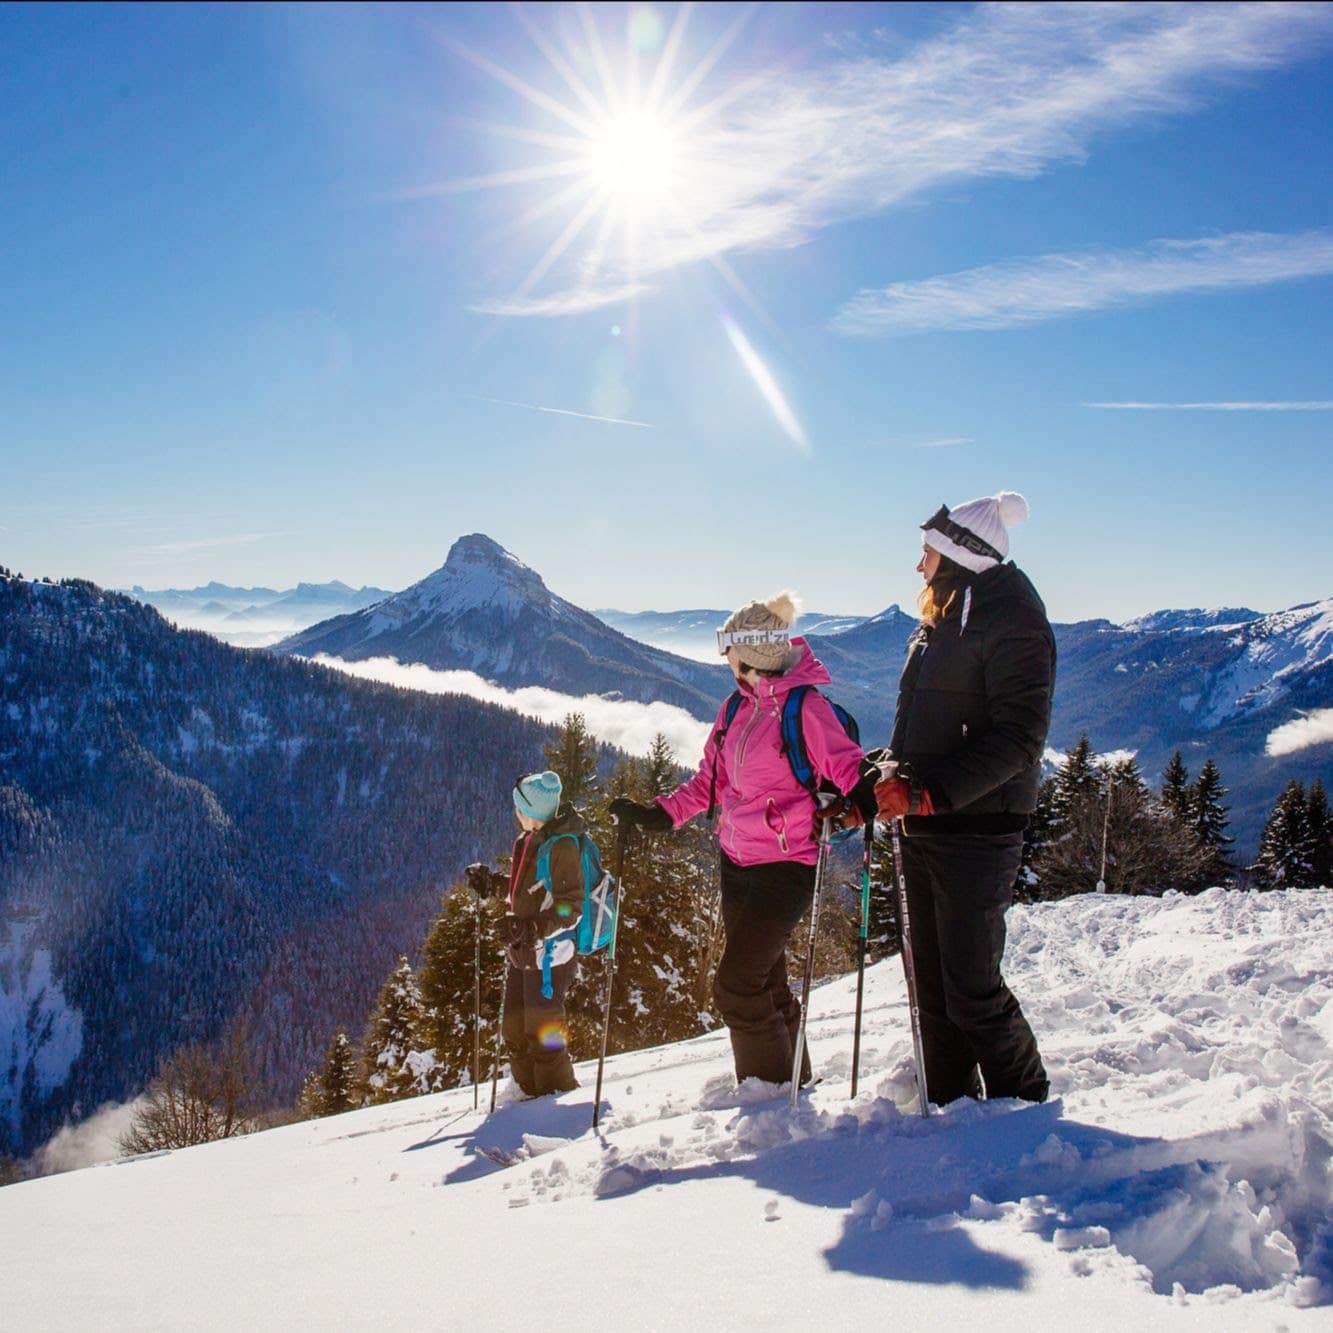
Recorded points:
635,159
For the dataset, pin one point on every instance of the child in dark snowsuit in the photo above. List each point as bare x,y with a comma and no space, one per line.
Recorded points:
535,1031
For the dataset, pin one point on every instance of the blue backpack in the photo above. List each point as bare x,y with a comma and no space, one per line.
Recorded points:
596,928
793,739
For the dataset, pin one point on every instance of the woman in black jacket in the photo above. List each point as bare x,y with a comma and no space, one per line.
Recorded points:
974,705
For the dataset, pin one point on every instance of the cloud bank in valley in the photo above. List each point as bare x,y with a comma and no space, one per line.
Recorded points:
624,723
1314,728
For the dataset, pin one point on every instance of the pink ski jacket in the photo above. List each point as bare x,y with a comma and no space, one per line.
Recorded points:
764,814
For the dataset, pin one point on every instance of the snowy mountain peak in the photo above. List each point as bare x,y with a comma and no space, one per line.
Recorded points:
478,572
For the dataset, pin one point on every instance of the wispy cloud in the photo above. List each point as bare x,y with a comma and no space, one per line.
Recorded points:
568,412
1316,405
1314,728
202,545
620,722
1029,291
944,442
573,301
1010,90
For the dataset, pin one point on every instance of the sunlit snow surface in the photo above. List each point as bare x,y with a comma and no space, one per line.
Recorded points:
1181,1179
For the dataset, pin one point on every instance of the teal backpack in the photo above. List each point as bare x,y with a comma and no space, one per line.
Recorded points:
595,929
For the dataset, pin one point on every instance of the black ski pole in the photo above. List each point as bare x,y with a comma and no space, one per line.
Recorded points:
499,1029
621,840
798,1051
476,1007
861,949
909,967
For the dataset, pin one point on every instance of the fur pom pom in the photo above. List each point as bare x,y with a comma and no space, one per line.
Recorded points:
785,605
1013,508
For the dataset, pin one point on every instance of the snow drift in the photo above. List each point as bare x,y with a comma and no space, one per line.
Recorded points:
1180,1178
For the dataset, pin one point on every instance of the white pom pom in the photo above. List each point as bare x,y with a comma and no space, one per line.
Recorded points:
1013,508
786,605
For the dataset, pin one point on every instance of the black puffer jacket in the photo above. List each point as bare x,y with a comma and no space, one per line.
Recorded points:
974,706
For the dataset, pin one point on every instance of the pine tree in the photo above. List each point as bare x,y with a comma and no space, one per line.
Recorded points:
1286,846
1321,833
1176,796
1076,780
1125,774
1043,828
391,1064
310,1101
573,755
449,1024
667,903
337,1080
1208,817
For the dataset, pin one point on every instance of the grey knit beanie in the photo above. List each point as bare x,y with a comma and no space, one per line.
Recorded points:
776,615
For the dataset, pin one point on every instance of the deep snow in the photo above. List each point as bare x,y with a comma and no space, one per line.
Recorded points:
1181,1178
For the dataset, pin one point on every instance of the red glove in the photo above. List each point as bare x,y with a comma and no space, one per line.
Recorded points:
893,799
841,815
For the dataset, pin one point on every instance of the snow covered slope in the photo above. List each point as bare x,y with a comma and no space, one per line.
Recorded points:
1180,1180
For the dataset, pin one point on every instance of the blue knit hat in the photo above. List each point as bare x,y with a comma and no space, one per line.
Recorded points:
538,795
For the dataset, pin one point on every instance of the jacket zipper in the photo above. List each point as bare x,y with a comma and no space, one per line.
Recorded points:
744,737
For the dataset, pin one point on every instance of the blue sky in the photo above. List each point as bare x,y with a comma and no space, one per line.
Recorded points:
264,319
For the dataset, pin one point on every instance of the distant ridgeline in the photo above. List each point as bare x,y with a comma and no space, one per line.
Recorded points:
191,833
1207,683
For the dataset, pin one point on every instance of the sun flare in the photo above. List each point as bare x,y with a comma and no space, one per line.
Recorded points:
637,159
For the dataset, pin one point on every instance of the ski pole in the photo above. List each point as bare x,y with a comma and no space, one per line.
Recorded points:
476,1006
621,840
499,1029
798,1051
861,948
909,968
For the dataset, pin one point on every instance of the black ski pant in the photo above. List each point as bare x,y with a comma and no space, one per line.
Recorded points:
536,1032
761,906
959,887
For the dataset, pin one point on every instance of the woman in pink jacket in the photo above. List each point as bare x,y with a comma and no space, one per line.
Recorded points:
767,826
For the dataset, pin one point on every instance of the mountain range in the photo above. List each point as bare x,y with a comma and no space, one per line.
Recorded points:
1207,682
191,833
255,617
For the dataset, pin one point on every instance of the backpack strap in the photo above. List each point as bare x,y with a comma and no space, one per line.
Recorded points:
793,734
793,737
731,708
544,877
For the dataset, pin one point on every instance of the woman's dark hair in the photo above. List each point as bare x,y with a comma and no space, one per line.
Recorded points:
934,600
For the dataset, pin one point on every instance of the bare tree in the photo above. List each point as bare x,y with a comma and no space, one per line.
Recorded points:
1146,850
199,1094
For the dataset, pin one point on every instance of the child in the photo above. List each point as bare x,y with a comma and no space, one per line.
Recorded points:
535,1031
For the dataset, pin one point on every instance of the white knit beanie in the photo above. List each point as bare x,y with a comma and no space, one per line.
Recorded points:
975,535
777,613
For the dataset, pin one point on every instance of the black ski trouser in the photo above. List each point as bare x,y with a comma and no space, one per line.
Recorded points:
536,1032
761,906
959,887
